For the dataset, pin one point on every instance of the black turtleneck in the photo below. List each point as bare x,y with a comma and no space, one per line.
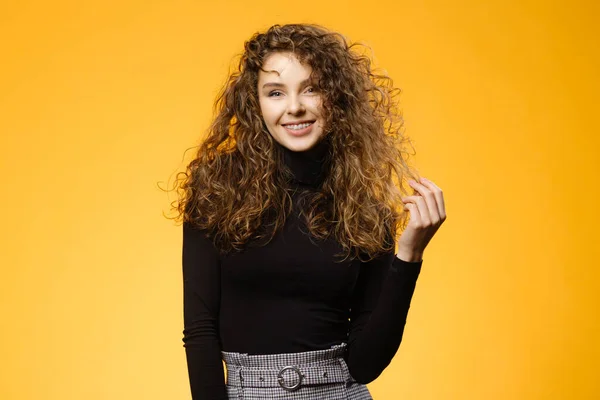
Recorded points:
308,167
290,296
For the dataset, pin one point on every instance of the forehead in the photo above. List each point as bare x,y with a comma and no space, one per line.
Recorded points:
284,66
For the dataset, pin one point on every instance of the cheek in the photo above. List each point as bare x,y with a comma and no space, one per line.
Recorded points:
270,111
315,106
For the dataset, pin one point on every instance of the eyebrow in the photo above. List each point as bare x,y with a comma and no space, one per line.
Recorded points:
277,84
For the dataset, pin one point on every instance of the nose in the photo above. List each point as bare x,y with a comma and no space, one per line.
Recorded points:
295,105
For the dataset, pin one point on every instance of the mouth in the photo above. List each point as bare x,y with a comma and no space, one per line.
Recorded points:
299,128
299,124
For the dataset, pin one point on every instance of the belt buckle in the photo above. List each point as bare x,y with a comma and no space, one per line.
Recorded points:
281,381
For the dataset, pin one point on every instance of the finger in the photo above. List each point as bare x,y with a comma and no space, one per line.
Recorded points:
433,217
415,216
428,233
421,205
439,196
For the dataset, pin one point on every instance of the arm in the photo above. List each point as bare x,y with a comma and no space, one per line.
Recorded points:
201,298
379,309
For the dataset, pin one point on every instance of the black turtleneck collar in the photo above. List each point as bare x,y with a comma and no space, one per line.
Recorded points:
308,167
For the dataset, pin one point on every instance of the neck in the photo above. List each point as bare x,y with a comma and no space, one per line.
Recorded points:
308,167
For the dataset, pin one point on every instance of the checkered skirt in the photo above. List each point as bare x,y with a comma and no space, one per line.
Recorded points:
312,375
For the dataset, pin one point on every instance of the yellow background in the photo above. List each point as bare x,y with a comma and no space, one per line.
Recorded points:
99,101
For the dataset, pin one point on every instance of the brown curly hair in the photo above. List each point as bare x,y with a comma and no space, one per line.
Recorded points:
237,175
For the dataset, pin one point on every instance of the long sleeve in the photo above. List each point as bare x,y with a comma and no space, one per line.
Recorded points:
378,314
201,298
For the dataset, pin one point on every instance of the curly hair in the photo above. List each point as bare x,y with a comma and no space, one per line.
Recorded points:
238,178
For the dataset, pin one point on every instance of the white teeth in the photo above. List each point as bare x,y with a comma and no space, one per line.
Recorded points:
299,126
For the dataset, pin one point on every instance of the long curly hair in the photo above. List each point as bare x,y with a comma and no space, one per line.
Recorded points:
238,178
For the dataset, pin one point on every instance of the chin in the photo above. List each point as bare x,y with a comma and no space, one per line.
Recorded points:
300,144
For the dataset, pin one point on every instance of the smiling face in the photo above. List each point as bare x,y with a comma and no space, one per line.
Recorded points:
289,102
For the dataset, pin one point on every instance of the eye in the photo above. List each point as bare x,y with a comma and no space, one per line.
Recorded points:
274,93
311,89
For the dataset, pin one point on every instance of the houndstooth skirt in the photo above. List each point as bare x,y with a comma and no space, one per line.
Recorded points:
312,375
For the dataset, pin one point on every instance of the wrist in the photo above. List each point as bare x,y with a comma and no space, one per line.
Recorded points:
409,256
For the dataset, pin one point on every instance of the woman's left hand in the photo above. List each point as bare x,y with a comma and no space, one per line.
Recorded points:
427,213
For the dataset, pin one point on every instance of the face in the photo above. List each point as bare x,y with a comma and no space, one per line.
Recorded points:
289,102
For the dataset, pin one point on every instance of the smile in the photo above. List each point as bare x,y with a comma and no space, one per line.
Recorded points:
299,126
299,129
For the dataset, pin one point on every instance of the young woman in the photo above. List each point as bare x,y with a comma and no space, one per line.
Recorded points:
290,217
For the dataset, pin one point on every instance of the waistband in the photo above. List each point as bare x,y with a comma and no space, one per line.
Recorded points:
289,371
